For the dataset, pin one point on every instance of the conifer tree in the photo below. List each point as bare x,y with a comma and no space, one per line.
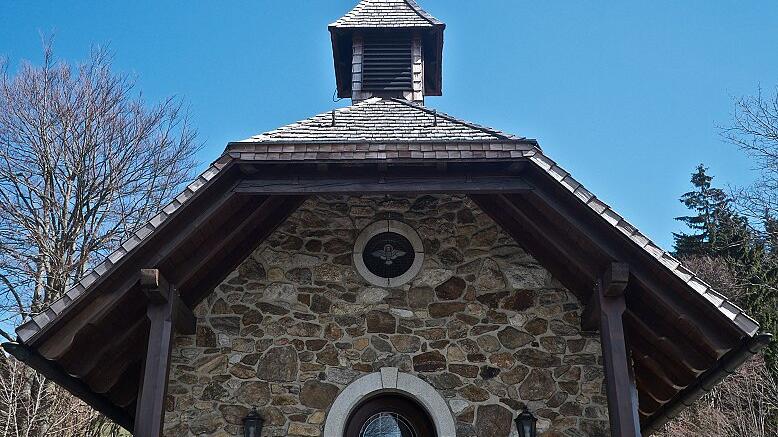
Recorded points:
719,232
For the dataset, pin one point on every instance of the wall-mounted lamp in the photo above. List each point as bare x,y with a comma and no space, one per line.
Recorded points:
526,424
252,424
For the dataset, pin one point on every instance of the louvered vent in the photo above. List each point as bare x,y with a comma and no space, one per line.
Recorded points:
386,65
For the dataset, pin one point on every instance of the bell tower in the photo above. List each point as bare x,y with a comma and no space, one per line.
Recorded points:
388,48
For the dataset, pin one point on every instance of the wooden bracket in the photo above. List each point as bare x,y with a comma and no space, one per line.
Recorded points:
615,278
159,291
613,283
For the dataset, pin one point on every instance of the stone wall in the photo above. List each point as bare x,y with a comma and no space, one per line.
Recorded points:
295,323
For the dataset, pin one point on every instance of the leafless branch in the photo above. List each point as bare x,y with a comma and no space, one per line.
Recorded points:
84,162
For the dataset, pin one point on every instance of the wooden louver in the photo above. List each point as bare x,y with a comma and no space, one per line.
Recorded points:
386,65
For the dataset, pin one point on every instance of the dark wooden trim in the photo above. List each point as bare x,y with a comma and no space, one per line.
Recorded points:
383,184
619,379
573,271
704,320
75,386
204,202
726,366
103,304
150,412
259,225
183,317
616,276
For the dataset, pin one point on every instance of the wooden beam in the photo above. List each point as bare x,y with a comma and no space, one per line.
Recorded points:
619,379
554,254
101,307
154,286
237,246
645,270
383,184
590,318
158,291
150,412
220,241
616,276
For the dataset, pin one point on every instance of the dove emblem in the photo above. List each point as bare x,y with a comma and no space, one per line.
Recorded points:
388,254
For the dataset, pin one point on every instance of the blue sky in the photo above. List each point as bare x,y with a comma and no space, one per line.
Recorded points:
625,95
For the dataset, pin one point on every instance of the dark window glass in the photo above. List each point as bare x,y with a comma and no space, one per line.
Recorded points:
390,416
388,255
387,424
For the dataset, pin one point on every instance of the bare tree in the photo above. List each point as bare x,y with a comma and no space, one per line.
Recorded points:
83,162
30,406
754,130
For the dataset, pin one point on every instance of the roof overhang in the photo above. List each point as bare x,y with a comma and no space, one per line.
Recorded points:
683,335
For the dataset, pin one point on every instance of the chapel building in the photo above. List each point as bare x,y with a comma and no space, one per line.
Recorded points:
385,270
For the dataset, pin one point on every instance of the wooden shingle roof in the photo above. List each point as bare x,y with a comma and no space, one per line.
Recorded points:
386,13
380,120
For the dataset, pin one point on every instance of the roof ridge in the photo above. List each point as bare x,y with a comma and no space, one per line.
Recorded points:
453,119
363,5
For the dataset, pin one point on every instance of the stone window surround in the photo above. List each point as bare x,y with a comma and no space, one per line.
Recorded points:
388,226
389,380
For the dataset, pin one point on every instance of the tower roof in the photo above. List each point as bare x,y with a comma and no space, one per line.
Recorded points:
386,13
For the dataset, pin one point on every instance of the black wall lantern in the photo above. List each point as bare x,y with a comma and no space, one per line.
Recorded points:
526,424
252,424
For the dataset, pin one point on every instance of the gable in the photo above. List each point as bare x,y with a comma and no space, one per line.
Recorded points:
482,320
683,334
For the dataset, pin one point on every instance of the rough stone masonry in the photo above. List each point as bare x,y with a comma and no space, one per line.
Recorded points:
483,323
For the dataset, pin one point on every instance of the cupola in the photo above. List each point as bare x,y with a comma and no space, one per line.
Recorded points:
388,48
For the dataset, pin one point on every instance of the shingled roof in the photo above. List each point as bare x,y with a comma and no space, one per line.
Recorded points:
386,13
381,120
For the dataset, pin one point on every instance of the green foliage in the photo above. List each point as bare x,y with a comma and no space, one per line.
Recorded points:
720,232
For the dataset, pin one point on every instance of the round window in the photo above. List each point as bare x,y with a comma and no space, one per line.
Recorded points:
388,253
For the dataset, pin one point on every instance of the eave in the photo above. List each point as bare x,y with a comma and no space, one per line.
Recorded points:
681,332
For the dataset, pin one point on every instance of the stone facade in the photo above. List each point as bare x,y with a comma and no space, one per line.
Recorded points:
483,323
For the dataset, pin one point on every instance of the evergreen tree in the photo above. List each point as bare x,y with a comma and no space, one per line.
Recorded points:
711,207
720,232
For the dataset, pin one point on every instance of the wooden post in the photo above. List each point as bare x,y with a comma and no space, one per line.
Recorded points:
166,313
620,385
